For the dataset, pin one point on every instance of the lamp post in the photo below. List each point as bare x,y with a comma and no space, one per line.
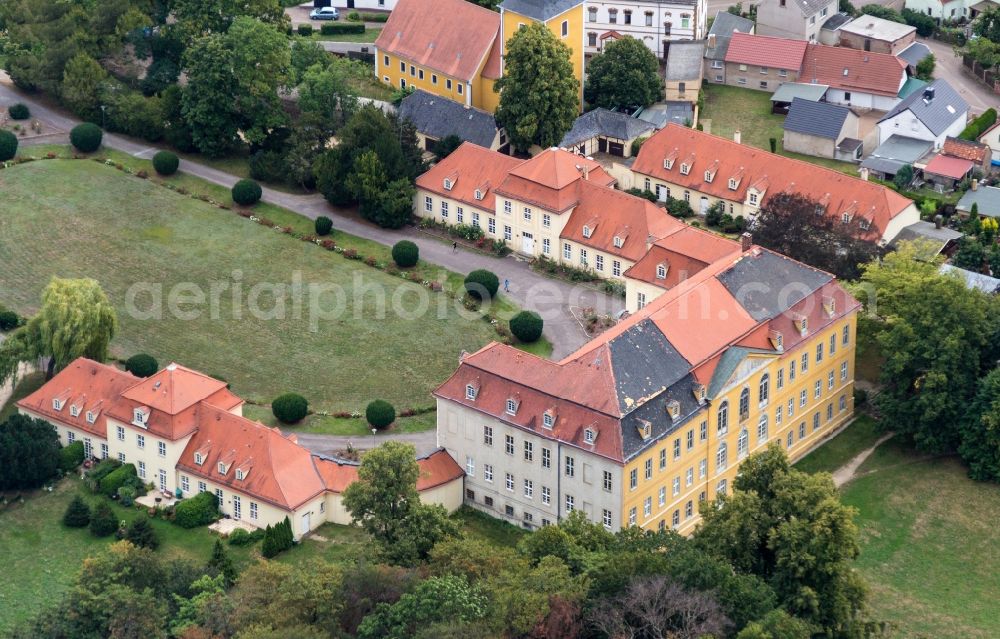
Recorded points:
104,109
374,430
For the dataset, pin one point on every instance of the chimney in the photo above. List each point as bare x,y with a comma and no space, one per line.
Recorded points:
746,241
938,219
864,173
928,95
586,171
711,40
975,184
737,137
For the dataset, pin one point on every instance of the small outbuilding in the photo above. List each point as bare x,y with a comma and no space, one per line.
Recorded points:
822,130
986,199
944,172
604,131
435,118
869,33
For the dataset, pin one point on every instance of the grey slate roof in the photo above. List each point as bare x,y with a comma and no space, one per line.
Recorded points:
926,231
539,9
722,28
645,364
936,116
914,53
987,197
439,117
769,284
895,152
821,119
836,21
655,412
684,61
610,124
807,91
973,280
660,115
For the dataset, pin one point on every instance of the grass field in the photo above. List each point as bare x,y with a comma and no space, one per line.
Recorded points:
97,222
370,35
857,437
749,111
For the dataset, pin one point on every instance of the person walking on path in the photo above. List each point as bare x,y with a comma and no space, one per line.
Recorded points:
506,285
454,247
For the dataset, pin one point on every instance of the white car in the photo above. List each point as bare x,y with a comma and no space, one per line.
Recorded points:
324,13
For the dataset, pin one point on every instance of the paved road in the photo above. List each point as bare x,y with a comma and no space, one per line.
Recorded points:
425,442
949,66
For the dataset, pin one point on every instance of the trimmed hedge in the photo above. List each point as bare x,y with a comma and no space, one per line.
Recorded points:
290,408
199,510
86,137
77,514
380,414
103,468
166,163
19,111
482,284
324,225
246,192
405,254
122,476
305,29
340,28
527,326
978,126
142,365
8,145
71,456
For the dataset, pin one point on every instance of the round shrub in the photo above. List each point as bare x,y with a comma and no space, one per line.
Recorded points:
8,145
324,225
380,414
142,365
86,137
126,496
19,111
199,510
246,192
77,514
103,521
481,284
240,537
71,456
405,254
290,408
527,326
166,163
124,475
8,320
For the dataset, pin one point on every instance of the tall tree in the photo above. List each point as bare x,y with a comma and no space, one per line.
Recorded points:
29,452
626,74
438,599
798,227
81,86
539,95
789,528
207,103
660,608
980,430
325,94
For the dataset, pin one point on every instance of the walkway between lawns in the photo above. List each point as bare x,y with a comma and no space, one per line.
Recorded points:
553,299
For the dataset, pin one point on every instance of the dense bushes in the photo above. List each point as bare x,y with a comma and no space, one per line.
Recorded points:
29,453
166,163
380,414
19,111
405,254
527,326
290,408
140,532
124,475
103,521
340,28
8,145
71,456
305,29
978,126
77,514
324,225
199,510
277,538
103,468
246,192
86,137
141,365
481,284
269,166
925,24
8,320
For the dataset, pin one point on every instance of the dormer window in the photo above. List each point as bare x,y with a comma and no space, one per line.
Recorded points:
589,435
709,176
222,468
91,417
240,474
753,198
674,409
74,410
511,407
668,163
548,420
586,231
645,429
802,324
864,224
733,183
845,218
777,340
470,391
57,404
819,209
139,417
618,242
661,271
479,194
448,184
199,460
685,168
829,305
700,393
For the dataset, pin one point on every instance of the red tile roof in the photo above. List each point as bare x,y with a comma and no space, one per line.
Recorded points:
452,37
469,167
853,70
955,168
85,383
545,179
683,254
435,469
966,149
765,51
837,192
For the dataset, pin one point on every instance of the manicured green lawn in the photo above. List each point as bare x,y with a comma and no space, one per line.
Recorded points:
930,544
749,111
860,435
327,425
370,35
81,218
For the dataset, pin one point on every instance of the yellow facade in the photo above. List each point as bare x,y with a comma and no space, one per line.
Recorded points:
800,411
567,27
400,72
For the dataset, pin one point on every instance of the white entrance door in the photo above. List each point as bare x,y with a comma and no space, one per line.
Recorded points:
527,243
305,524
704,205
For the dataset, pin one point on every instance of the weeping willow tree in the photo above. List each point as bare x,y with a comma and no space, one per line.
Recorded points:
76,320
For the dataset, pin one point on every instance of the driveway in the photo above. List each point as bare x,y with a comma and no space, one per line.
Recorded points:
425,442
949,66
558,302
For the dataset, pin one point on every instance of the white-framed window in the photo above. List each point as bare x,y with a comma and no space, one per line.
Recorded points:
661,271
57,404
509,481
676,486
428,204
488,473
720,489
565,28
846,336
218,497
570,503
548,420
805,361
488,435
607,481
459,214
163,479
689,477
599,262
819,352
764,389
721,457
583,257
677,448
742,444
791,407
829,380
470,466
647,507
444,209
606,518
140,441
589,436
121,433
631,516
640,300
529,489
161,449
254,512
722,418
104,451
121,458
527,214
546,495
833,343
447,83
529,451
546,220
507,233
649,468
511,407
470,391
817,389
507,207
546,246
91,417
461,88
509,444
202,487
546,458
74,410
475,219
567,251
843,372
491,225
791,371
142,470
616,268
633,479
762,429
185,483
570,466
777,415
702,469
70,437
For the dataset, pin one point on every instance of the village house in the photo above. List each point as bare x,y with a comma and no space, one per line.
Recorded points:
717,43
185,434
436,118
760,62
822,129
684,71
655,23
704,169
653,418
940,10
795,19
859,79
932,115
991,138
868,33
